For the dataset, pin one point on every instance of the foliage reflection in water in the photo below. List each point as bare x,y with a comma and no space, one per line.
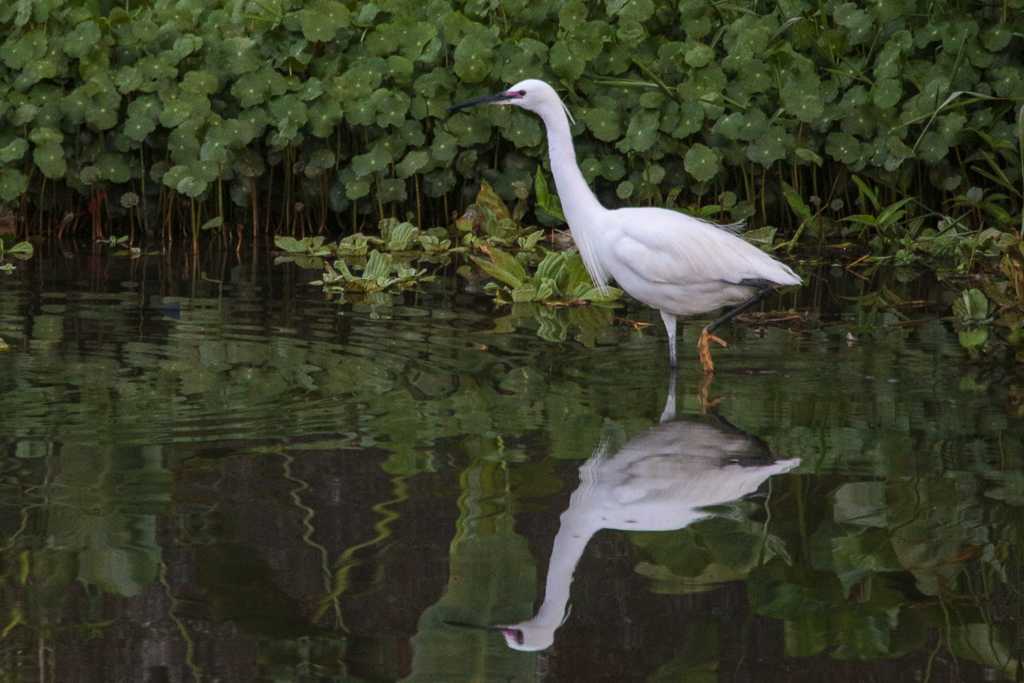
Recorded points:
237,481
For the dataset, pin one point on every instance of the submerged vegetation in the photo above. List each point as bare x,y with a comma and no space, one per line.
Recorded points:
889,133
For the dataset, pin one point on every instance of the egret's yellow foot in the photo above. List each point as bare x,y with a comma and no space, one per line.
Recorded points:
704,349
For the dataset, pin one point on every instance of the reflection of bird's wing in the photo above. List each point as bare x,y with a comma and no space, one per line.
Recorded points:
668,247
689,463
697,443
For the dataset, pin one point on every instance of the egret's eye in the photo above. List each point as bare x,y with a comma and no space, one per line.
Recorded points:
521,93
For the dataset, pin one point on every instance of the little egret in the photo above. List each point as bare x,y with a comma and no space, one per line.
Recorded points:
675,263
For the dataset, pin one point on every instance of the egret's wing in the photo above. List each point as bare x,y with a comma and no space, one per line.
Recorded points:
673,248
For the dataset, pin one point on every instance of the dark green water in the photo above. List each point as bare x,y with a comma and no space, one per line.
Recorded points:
240,481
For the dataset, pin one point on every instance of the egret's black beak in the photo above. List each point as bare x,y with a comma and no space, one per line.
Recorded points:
486,99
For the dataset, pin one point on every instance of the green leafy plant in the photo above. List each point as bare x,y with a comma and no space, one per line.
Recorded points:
19,250
298,118
560,279
972,318
380,273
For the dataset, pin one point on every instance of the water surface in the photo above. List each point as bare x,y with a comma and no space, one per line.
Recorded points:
217,475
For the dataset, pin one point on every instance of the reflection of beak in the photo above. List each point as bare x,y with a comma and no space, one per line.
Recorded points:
485,99
514,633
475,627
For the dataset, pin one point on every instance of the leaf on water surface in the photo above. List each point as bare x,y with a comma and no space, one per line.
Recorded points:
356,244
23,249
974,338
290,244
397,236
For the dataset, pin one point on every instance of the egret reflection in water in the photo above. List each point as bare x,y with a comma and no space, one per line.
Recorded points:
663,479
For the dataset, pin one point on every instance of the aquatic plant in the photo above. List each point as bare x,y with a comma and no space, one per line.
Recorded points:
381,272
20,250
560,279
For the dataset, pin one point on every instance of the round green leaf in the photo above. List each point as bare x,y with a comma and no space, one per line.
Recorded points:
84,38
444,147
701,162
413,162
700,55
473,57
843,147
886,93
691,120
996,38
374,161
565,62
49,158
13,150
642,131
13,184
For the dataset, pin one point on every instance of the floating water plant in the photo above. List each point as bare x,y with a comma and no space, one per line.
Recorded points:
21,251
380,273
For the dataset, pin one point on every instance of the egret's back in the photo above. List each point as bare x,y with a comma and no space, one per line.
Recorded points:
684,265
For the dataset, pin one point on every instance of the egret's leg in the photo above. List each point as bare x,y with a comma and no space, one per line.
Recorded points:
706,336
670,327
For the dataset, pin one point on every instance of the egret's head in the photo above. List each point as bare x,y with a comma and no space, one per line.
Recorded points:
525,636
532,94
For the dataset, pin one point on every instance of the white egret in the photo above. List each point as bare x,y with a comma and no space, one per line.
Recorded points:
670,261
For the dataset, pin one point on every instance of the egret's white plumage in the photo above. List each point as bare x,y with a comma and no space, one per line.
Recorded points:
668,260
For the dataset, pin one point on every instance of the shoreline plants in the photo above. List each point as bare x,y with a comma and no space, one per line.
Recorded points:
891,130
293,117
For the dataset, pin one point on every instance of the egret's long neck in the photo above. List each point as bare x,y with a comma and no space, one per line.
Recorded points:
578,202
582,210
570,542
